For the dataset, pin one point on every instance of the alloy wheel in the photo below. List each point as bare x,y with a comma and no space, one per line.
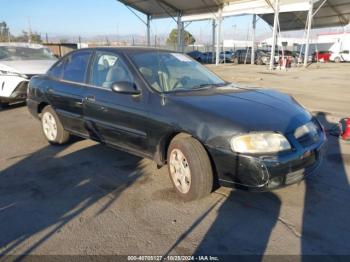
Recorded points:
180,171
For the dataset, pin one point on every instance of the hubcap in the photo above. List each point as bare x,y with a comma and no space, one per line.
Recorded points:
49,126
180,171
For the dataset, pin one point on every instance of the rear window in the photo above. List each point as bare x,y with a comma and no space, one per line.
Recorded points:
13,53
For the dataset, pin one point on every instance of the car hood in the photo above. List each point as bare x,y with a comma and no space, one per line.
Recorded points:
27,67
247,109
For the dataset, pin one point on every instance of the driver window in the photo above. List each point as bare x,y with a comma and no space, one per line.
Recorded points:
108,68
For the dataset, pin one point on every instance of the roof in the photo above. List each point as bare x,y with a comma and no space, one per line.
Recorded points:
167,8
126,49
332,13
20,44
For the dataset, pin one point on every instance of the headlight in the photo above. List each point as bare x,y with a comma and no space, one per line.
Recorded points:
254,143
8,73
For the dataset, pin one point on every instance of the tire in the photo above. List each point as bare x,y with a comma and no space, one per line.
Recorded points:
52,127
194,161
337,59
259,62
236,61
4,105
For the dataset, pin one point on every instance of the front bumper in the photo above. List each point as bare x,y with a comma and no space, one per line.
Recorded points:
13,89
261,173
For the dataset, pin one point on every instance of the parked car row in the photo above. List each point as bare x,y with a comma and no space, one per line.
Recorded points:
262,57
208,57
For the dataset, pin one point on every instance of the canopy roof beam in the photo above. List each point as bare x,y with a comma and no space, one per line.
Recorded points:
161,3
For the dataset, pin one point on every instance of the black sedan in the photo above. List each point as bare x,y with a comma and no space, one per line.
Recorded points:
165,106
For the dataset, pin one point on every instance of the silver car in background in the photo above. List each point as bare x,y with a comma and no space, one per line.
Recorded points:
18,63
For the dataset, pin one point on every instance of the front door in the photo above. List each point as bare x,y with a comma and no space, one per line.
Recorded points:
114,118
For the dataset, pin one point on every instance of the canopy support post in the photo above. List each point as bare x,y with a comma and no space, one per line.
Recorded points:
148,24
218,37
274,34
213,41
252,61
180,26
180,42
309,22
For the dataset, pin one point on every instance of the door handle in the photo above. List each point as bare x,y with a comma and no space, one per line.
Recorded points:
103,109
79,103
90,98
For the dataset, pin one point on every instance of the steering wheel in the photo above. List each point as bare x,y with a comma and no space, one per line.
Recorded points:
182,80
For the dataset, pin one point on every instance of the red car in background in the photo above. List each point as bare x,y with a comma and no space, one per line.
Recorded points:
322,56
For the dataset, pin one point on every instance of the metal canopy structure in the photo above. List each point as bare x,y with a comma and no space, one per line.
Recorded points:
167,8
281,14
328,13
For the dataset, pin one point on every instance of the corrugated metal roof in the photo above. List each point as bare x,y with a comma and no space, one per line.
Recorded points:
332,13
167,8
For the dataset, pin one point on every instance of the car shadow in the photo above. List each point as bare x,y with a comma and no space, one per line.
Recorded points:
245,220
326,228
12,106
49,188
243,225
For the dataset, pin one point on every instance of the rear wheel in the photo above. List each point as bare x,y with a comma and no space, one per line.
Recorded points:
189,168
259,61
52,127
337,59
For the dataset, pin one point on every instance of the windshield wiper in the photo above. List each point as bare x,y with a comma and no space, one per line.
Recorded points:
207,85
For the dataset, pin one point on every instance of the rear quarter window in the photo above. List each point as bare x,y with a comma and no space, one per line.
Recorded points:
57,70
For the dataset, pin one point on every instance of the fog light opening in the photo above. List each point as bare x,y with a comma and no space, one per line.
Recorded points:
275,182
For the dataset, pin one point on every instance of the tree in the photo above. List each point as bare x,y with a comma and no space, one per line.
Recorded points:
172,38
33,37
5,35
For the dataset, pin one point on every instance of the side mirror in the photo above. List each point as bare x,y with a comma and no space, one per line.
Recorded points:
124,87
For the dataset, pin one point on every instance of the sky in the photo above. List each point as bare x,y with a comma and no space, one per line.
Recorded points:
88,18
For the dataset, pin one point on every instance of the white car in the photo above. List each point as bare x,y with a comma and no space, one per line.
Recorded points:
342,56
18,63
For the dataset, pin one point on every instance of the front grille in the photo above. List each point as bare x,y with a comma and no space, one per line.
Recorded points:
21,90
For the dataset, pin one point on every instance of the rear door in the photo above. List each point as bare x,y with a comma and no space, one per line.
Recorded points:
67,88
114,118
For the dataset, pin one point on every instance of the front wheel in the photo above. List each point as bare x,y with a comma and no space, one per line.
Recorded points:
337,60
52,127
189,168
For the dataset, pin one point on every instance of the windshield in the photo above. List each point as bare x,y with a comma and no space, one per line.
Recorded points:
171,72
11,53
